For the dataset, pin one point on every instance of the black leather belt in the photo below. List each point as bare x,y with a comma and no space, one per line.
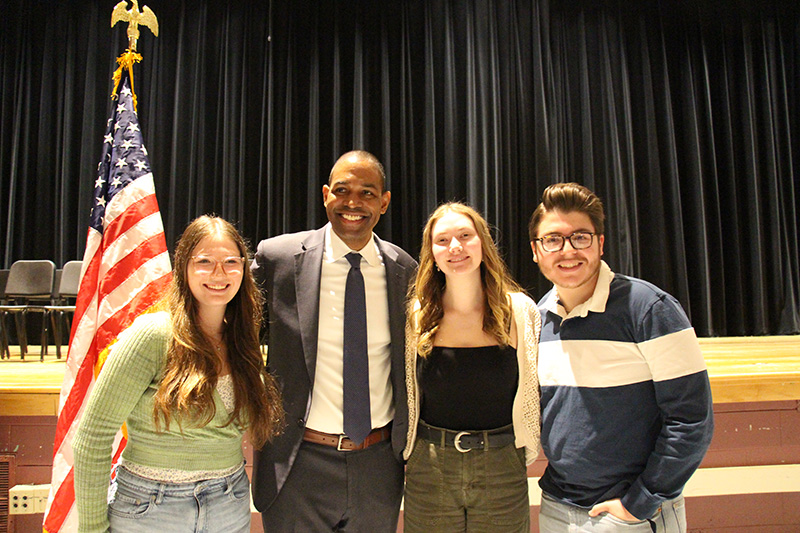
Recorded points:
465,441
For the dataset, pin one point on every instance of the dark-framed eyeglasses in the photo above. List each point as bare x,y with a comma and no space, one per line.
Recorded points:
580,240
205,264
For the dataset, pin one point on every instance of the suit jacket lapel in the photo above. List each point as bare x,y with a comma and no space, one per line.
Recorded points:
308,269
396,294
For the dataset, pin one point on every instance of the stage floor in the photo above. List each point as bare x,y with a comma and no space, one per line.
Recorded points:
741,369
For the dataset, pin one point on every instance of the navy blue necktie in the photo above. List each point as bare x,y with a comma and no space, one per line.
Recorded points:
357,419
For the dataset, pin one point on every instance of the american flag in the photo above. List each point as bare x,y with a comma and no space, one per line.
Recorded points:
126,269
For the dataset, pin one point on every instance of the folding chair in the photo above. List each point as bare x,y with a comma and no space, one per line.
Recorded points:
28,282
64,299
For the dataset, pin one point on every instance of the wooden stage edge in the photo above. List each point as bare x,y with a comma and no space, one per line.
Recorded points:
741,369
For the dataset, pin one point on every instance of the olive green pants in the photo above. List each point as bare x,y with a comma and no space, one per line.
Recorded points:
477,491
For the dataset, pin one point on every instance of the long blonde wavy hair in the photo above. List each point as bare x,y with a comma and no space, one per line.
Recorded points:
192,368
426,310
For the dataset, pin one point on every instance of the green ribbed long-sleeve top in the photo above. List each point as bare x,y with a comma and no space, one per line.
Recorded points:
124,393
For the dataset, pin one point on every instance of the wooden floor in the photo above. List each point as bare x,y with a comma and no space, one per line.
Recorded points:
753,369
741,369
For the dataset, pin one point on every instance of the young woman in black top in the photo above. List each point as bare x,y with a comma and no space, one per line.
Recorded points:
472,383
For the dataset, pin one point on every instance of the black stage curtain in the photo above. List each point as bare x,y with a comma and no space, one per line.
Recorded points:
682,115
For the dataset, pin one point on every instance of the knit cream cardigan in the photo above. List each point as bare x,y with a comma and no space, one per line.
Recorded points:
525,410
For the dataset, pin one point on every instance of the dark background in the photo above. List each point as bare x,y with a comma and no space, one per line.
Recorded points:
682,115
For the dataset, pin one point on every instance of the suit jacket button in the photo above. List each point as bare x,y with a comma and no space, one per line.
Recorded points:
301,422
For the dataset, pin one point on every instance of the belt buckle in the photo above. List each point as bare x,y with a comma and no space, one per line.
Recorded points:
457,441
339,444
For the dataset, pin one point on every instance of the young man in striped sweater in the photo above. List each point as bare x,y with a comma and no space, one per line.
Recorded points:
626,403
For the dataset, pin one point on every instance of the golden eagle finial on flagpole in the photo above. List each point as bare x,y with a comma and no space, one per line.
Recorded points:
134,18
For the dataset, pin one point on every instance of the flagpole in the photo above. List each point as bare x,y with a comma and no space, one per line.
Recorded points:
126,267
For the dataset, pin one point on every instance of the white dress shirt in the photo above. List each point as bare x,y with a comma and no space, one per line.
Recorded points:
327,397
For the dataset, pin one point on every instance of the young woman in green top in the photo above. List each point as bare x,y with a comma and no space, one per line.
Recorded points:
187,381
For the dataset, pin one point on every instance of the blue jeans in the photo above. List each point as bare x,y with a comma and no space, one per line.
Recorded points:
214,506
557,517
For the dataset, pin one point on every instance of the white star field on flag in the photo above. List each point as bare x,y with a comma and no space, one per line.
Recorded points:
124,156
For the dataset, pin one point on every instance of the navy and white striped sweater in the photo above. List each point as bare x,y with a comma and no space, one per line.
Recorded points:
626,403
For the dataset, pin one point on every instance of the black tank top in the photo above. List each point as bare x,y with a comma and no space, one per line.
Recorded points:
468,388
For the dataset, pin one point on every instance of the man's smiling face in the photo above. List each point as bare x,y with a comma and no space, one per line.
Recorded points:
573,272
355,200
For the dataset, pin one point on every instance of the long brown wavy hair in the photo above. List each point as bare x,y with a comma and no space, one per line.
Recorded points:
192,368
425,295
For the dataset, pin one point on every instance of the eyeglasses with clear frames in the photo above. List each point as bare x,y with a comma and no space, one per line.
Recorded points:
580,240
204,264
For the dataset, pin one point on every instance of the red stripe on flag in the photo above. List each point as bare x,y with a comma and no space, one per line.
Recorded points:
85,373
61,505
123,318
146,250
75,399
88,285
132,215
118,453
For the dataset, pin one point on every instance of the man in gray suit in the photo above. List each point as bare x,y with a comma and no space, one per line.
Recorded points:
314,477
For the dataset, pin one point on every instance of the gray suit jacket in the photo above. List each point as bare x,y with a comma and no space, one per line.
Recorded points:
288,267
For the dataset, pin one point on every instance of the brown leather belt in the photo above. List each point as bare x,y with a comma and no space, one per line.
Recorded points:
343,443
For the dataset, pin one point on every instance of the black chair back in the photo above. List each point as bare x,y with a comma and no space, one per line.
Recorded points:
31,279
29,288
70,280
3,279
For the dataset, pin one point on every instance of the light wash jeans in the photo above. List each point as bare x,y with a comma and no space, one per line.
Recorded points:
214,506
557,517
